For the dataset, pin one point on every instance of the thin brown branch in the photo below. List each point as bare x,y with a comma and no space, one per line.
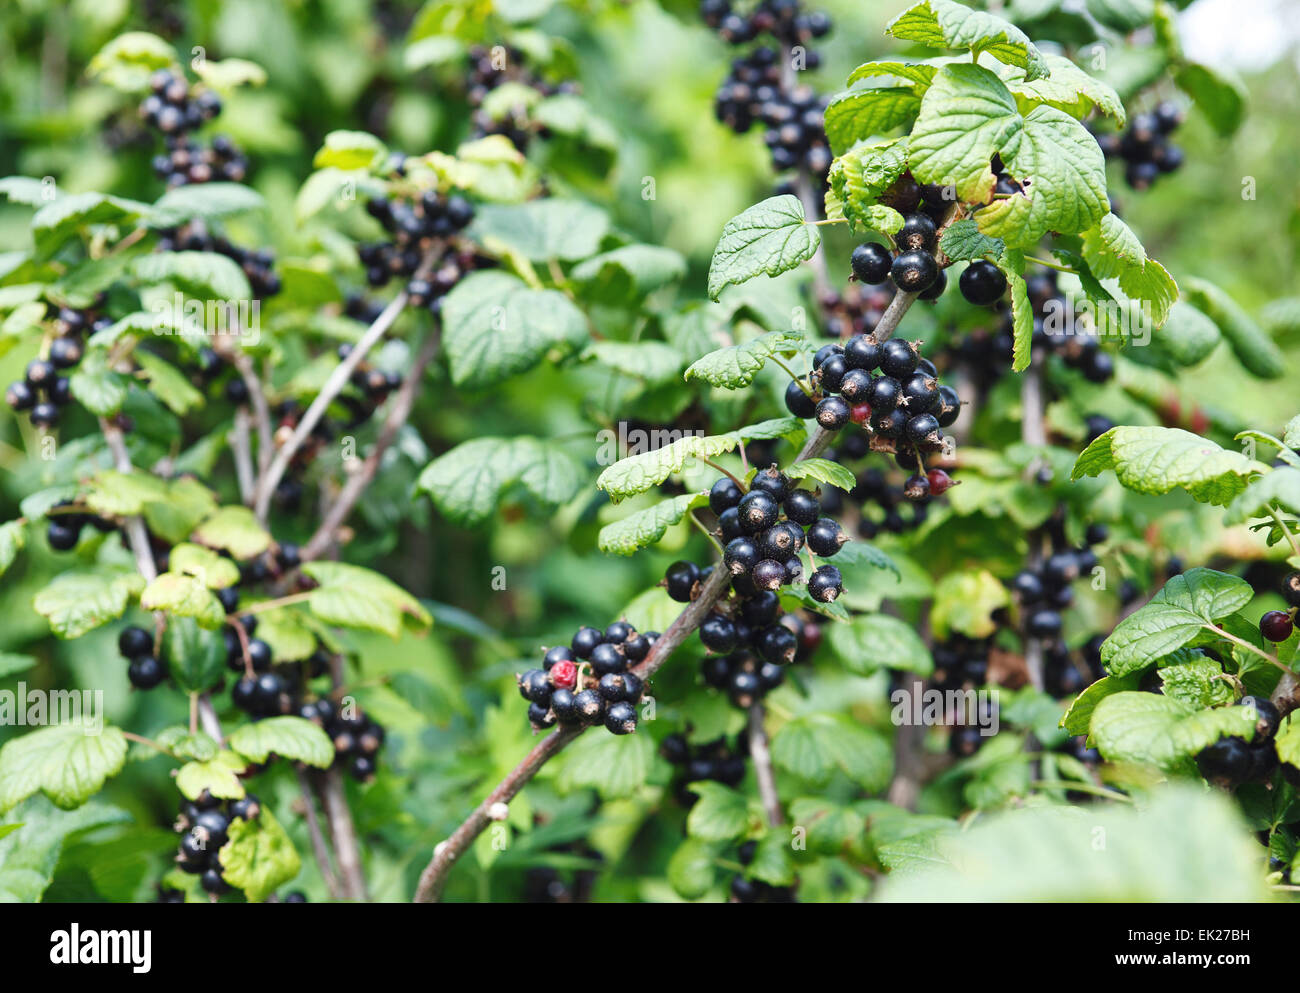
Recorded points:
761,755
398,413
241,447
261,410
343,832
434,877
324,860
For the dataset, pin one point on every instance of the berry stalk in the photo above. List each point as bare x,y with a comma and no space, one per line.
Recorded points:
434,877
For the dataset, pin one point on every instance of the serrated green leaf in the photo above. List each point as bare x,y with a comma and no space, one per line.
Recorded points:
1069,89
945,24
13,537
168,383
630,272
612,765
1078,719
96,387
1158,730
877,641
67,762
1218,93
645,527
692,870
735,366
963,240
61,219
195,656
1189,336
351,596
918,73
1157,459
1196,682
720,814
824,471
866,111
183,745
965,602
814,745
216,775
183,596
350,150
860,176
205,275
495,327
1277,488
553,228
469,482
288,737
80,600
653,362
212,570
1178,615
769,238
259,857
203,201
32,843
235,530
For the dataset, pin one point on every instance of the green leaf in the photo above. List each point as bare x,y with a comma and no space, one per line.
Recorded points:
1219,94
1012,264
965,602
638,473
964,240
229,74
721,814
552,228
1189,336
1279,488
196,657
291,640
1078,719
612,765
1069,89
877,641
1255,349
967,115
860,553
918,73
1158,730
99,389
1197,682
32,842
1175,617
126,62
216,775
1156,460
469,482
653,362
646,527
183,745
831,826
693,869
769,238
945,24
183,596
12,662
168,383
185,503
350,150
815,745
628,273
214,571
1064,174
351,596
13,536
1185,845
288,737
235,530
1112,250
1288,742
61,219
203,201
495,327
863,112
206,275
80,600
824,471
772,862
67,762
859,177
259,857
735,366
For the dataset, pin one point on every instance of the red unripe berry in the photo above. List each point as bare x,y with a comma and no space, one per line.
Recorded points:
564,674
860,414
1275,625
939,481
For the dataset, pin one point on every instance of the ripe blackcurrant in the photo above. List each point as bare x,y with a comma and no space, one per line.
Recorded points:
898,358
768,575
949,406
744,688
620,718
798,402
803,507
146,672
923,428
1226,763
134,642
760,610
833,413
914,272
607,658
636,647
589,706
44,415
935,290
540,716
585,640
535,686
724,494
259,654
825,584
920,393
825,537
831,373
772,482
1267,716
982,283
870,263
1291,589
729,524
1044,623
759,510
917,234
883,395
916,487
741,555
856,386
66,352
62,536
680,578
20,396
564,708
861,352
1275,625
560,653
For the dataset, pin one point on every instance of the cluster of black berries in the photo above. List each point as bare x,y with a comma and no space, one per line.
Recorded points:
1044,590
1066,674
904,405
258,264
857,310
177,109
204,825
715,761
361,308
45,389
1145,146
416,224
793,125
881,501
764,530
547,884
488,69
914,268
1229,762
590,681
746,889
1078,348
960,662
784,20
66,523
357,738
146,670
1276,625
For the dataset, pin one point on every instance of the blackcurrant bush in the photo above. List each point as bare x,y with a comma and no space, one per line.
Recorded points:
870,263
914,272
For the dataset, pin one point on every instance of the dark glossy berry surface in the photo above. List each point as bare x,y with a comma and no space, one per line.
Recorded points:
1275,625
982,283
134,642
146,672
870,263
914,272
679,578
